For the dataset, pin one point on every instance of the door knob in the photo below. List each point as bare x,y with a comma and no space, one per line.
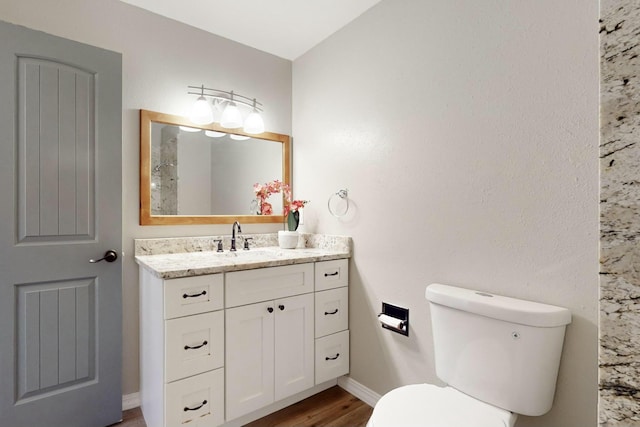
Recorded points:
109,256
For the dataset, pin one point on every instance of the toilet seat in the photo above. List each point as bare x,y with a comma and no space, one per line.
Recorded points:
426,405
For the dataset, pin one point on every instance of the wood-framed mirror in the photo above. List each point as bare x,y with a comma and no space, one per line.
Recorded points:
205,174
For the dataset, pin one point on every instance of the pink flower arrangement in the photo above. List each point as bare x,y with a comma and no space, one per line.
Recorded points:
263,191
291,205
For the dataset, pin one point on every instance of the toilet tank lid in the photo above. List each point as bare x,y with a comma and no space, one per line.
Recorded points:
498,307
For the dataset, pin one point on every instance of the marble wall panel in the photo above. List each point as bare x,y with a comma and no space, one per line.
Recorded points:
619,403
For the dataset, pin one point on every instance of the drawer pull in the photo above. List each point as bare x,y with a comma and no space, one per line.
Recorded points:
186,408
331,274
332,358
187,347
185,296
330,312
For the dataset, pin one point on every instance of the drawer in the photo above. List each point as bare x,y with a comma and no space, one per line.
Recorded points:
250,286
332,274
332,356
332,311
193,295
193,344
197,401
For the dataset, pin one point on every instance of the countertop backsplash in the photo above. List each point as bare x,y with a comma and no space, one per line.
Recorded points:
172,245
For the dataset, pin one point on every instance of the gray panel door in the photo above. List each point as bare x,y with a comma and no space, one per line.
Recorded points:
60,205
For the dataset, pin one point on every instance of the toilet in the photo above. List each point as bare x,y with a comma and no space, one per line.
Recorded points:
499,357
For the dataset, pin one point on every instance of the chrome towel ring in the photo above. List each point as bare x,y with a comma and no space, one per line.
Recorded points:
343,195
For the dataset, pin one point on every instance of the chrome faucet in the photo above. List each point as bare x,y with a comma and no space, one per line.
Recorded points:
233,235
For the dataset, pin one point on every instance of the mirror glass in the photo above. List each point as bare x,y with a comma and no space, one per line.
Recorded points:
205,174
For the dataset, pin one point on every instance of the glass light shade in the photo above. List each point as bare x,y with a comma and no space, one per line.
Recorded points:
238,137
201,113
189,129
214,134
231,117
254,123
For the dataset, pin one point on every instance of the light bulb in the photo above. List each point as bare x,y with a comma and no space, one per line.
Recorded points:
254,123
201,113
238,137
189,129
231,117
214,134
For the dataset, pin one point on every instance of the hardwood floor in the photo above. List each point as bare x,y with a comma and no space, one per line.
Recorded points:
333,407
131,418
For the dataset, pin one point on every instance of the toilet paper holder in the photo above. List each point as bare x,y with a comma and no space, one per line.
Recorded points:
395,318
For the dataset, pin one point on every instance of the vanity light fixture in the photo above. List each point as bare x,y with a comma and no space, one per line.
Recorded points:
202,112
238,137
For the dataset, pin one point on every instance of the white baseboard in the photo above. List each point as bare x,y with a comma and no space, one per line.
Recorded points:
363,393
130,401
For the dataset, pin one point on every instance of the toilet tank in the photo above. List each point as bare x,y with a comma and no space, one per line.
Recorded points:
502,351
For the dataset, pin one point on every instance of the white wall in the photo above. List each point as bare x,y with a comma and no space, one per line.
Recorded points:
160,58
467,135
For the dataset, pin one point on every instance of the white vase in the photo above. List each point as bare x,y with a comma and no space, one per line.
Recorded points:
288,239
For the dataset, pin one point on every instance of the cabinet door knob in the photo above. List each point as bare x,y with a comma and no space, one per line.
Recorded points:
270,309
281,307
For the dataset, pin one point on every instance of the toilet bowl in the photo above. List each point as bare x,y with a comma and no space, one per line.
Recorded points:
499,357
426,405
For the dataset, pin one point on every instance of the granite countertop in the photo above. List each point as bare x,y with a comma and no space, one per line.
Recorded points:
183,257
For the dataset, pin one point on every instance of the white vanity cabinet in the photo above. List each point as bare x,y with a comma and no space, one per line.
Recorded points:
182,350
215,347
269,344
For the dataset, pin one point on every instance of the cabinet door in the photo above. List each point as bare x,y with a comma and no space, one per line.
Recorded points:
294,345
249,358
